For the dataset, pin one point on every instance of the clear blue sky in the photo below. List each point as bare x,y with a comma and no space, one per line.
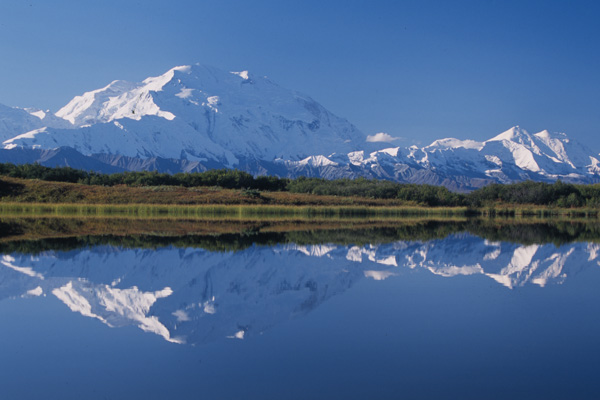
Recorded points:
417,69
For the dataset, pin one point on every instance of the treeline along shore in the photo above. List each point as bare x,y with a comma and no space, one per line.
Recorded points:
34,183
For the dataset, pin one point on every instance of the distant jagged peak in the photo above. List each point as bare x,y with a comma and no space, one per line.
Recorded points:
514,134
36,112
552,135
519,135
86,109
197,76
15,121
195,84
317,161
157,83
555,146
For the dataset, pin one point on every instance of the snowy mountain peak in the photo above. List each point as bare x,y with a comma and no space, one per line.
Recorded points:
545,134
122,99
199,113
517,134
514,134
94,106
15,121
41,114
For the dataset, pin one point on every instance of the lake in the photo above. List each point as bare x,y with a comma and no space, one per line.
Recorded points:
417,310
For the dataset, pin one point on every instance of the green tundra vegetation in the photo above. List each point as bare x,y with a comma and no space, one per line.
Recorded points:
252,189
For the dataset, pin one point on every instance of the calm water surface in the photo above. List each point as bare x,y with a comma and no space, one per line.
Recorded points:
458,317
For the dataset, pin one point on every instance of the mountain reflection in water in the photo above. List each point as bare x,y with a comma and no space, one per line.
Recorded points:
195,294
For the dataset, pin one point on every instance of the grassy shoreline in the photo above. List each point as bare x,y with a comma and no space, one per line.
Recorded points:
223,211
275,211
37,197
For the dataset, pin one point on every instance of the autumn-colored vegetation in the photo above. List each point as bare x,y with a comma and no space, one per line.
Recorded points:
34,183
38,191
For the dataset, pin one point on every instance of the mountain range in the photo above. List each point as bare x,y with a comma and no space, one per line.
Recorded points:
198,117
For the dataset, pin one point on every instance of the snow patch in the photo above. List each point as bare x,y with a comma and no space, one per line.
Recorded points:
38,291
494,159
209,307
185,93
36,113
242,74
452,143
181,315
392,151
317,161
237,335
356,157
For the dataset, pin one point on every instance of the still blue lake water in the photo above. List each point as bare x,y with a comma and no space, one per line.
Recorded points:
460,317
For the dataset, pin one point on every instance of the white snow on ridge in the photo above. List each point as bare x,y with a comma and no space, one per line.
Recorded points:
38,113
316,161
594,166
356,157
15,121
120,99
523,157
85,109
514,134
35,292
455,143
185,93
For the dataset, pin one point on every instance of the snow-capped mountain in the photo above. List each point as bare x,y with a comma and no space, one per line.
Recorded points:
197,113
514,155
197,117
15,121
194,296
